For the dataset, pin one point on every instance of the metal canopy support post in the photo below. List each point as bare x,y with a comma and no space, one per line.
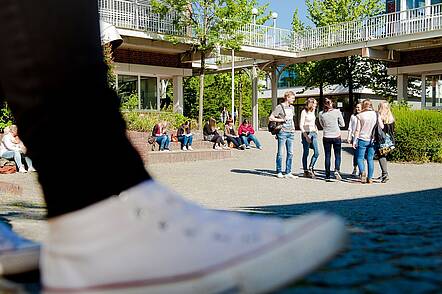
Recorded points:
274,86
424,90
233,86
255,118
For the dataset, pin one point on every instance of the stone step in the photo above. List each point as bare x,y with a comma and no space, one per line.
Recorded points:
181,156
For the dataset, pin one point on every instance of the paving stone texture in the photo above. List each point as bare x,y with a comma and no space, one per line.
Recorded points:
395,228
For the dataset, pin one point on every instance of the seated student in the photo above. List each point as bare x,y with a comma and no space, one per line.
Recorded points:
161,137
210,133
247,134
185,137
231,136
12,147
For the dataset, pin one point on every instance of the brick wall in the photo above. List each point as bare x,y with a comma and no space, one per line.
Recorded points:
424,56
148,58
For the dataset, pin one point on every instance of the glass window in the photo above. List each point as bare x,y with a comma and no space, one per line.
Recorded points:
415,4
433,93
127,87
436,2
148,90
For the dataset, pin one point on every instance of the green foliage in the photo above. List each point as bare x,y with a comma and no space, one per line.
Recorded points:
418,135
6,118
109,61
145,121
129,102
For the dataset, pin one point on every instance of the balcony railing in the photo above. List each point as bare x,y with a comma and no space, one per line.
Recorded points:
139,15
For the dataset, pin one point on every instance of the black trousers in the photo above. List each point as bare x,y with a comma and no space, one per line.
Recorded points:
328,143
53,77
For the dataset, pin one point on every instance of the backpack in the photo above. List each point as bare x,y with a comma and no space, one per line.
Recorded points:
7,167
275,127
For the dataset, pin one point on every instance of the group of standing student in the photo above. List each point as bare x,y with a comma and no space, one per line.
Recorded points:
360,135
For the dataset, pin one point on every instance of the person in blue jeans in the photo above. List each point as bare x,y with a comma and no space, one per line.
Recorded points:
367,119
161,136
284,113
309,136
185,136
247,135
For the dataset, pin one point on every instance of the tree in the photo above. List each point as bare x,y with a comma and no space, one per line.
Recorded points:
327,12
213,23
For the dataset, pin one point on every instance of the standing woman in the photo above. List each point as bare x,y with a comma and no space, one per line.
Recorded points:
351,136
331,120
309,136
283,113
388,120
364,143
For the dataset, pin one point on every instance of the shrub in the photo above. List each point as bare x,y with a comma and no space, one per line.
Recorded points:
418,135
145,121
6,118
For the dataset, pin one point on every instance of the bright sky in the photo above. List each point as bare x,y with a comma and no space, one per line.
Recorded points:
285,9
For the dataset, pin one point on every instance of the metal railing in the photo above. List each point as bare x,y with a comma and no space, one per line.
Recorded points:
139,15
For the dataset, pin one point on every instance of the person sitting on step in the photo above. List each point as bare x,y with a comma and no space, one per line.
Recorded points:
11,147
247,135
210,133
231,136
161,136
185,137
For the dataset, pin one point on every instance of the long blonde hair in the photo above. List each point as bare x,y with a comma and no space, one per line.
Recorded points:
385,112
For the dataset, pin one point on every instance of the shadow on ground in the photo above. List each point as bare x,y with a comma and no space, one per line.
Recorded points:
395,247
395,244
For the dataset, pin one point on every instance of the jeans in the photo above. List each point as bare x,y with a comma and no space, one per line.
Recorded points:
17,156
249,138
328,143
163,141
235,140
306,150
51,46
285,139
366,147
185,140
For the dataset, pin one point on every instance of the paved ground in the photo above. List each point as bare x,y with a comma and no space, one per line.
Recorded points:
396,228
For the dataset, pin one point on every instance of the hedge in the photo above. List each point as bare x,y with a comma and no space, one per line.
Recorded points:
145,121
418,135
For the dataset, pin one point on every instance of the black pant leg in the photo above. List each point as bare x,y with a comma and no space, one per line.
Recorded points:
54,79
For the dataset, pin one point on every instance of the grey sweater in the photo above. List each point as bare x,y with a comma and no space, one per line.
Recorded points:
330,122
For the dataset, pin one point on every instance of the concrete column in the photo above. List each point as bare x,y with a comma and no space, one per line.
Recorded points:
178,100
274,87
423,92
255,118
402,87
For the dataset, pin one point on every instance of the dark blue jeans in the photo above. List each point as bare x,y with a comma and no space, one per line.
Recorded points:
366,148
46,46
306,150
328,143
250,138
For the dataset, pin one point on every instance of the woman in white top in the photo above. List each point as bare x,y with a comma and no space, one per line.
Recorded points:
309,136
387,118
351,136
11,147
364,143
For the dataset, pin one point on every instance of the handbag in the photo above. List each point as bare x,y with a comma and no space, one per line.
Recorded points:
382,139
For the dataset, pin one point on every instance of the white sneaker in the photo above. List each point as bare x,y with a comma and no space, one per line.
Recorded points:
291,176
22,170
280,175
190,148
31,169
184,148
164,244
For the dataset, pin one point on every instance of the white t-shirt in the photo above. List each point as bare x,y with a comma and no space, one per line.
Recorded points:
366,123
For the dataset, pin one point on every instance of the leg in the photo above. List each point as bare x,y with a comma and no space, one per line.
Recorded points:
255,140
160,141
189,141
362,148
337,152
327,153
305,152
383,165
315,157
370,161
244,140
33,73
17,158
289,150
281,143
182,140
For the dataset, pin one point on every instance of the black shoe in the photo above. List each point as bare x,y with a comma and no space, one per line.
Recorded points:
384,179
307,174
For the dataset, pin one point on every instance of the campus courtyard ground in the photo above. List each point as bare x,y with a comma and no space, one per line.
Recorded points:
395,228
